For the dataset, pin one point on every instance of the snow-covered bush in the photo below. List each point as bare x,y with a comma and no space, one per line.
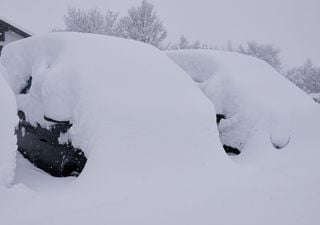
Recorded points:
8,121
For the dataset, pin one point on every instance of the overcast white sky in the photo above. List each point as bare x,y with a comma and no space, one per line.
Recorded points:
292,25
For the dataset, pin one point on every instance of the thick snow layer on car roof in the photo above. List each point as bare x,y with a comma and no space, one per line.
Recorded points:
153,149
8,121
247,91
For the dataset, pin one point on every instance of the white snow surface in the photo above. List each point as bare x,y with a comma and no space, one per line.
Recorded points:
248,91
8,121
154,155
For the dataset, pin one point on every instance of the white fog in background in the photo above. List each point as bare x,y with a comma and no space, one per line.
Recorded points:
292,25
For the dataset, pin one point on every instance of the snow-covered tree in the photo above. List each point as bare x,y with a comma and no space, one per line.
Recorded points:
307,77
143,24
265,52
91,21
184,43
111,26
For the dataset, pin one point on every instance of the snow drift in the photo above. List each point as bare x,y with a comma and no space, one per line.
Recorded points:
247,92
8,120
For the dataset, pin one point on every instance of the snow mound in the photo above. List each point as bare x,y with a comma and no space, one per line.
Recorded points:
247,92
8,121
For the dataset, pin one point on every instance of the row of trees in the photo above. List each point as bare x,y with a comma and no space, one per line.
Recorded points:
143,24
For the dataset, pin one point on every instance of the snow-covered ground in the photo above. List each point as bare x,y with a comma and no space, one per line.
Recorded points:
150,136
8,120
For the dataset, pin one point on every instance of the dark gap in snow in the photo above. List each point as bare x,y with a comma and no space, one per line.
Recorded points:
42,148
280,140
228,149
26,89
231,150
277,146
280,145
67,123
219,117
21,115
43,140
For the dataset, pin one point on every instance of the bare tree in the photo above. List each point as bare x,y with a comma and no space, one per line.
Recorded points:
143,24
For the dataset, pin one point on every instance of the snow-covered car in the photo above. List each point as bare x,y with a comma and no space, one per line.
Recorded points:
137,117
246,93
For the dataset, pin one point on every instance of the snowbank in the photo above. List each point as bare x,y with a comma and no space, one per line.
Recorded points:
248,93
8,121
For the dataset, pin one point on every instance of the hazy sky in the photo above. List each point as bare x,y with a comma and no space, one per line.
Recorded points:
292,25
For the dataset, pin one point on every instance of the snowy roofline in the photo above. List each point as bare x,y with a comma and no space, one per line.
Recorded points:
10,22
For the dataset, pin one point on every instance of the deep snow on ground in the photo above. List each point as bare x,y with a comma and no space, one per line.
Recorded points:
154,155
8,120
